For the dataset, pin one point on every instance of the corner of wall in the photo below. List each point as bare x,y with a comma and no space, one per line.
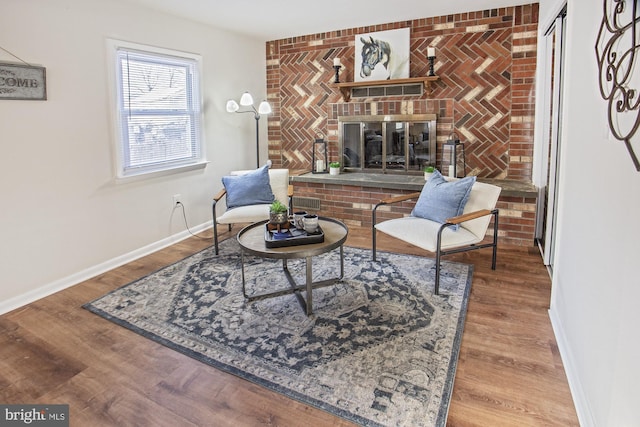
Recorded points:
583,409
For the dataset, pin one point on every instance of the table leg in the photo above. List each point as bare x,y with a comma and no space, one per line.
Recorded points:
306,303
309,287
341,263
244,288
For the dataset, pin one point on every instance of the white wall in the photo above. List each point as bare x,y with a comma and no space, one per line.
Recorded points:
596,279
62,215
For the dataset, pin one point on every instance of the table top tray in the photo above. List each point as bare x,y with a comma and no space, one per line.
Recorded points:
292,237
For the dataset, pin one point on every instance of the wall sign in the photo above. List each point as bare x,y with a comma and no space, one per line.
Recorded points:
617,52
22,82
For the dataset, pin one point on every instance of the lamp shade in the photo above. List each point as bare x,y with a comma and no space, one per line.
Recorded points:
264,108
232,106
246,99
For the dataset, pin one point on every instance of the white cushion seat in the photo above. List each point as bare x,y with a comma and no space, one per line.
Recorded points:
251,213
421,232
279,182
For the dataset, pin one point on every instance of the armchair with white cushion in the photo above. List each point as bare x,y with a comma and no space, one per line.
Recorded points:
249,194
442,223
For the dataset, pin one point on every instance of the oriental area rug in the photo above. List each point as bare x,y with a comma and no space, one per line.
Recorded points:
379,350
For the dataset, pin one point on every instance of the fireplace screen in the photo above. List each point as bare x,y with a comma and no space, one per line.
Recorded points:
400,143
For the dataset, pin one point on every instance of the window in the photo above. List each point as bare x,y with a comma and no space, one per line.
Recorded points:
157,109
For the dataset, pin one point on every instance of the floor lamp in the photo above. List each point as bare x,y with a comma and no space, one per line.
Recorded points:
246,100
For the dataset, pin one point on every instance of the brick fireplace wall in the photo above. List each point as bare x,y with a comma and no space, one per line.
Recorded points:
485,61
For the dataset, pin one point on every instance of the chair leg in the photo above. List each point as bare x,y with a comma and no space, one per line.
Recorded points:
495,239
437,286
215,229
373,241
373,232
438,256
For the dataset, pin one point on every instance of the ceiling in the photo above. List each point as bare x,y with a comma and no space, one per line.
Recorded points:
278,19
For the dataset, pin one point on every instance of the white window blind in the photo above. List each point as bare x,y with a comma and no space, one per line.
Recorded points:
158,108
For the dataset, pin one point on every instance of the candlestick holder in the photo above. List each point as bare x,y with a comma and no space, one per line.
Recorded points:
337,68
431,60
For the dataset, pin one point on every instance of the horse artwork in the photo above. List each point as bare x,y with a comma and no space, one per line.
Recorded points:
383,55
375,52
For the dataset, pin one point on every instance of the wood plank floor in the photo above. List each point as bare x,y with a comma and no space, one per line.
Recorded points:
53,351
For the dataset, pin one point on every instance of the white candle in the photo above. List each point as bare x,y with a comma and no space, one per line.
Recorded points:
431,52
336,62
319,165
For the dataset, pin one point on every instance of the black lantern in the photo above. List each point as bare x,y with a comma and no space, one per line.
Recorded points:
319,159
455,145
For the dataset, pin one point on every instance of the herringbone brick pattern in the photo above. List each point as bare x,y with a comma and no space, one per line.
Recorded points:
304,91
485,61
475,70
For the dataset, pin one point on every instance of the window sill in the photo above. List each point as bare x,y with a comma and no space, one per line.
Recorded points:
155,174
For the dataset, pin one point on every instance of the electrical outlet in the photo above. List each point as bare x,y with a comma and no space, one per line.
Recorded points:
176,200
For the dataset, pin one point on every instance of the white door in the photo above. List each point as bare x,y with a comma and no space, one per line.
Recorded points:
552,81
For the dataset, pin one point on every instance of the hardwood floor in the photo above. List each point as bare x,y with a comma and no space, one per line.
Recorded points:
53,351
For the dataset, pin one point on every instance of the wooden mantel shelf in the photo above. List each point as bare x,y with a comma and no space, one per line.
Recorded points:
345,88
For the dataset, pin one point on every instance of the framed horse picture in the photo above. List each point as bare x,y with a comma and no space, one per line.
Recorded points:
383,55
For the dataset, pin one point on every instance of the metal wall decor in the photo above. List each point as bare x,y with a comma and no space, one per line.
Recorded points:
617,51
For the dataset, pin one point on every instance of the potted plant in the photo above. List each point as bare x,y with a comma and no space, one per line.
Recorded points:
334,168
278,214
428,171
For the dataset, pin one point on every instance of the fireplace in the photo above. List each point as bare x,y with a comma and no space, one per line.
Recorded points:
402,144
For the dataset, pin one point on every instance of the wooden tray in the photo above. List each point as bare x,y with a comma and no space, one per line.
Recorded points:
291,237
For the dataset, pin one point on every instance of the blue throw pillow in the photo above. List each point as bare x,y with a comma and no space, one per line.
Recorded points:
252,188
441,199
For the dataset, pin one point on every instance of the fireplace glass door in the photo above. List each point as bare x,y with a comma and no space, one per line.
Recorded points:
394,144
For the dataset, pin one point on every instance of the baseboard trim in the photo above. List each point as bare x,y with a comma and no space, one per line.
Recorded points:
79,277
583,409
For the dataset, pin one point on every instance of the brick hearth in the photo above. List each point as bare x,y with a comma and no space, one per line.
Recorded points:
351,196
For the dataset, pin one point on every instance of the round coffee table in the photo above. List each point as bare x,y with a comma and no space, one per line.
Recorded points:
252,242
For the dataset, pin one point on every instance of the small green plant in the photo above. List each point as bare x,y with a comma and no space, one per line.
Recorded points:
278,207
334,164
429,169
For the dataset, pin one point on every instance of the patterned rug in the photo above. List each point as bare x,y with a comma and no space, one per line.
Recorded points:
380,348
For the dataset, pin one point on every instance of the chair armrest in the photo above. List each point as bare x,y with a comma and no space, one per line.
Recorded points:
220,195
469,216
389,200
396,199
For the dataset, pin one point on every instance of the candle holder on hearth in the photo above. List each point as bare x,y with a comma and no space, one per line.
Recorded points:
456,151
319,158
